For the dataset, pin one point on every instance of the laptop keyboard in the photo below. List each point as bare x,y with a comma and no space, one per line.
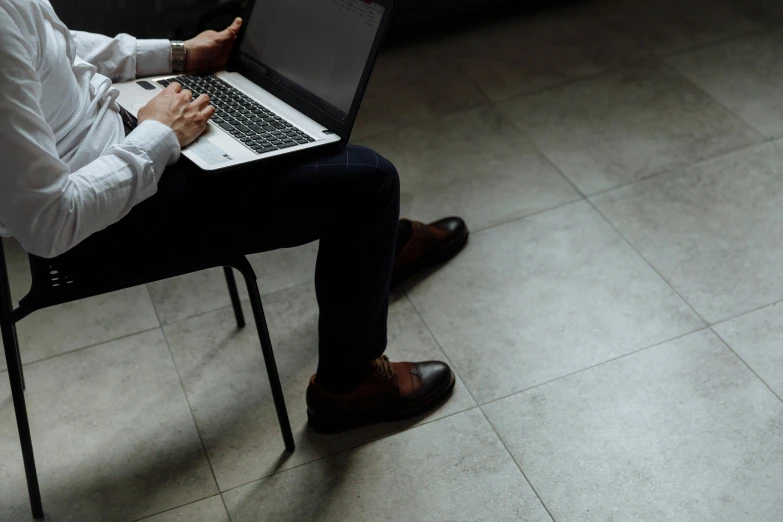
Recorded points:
255,126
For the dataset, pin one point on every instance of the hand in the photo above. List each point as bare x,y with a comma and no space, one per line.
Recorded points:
209,51
173,108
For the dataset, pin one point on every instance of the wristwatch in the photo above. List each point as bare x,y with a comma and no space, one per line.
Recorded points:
178,55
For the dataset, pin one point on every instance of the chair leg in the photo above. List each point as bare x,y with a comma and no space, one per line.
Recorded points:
271,366
19,356
17,393
232,291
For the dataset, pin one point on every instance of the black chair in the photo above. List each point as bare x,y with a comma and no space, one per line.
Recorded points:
71,277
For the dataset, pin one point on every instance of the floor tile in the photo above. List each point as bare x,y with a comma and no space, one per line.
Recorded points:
756,338
531,52
621,127
209,510
182,297
476,165
682,431
452,469
113,436
707,229
67,327
668,26
539,298
411,84
739,74
224,377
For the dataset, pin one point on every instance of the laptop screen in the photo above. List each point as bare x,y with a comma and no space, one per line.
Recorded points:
317,49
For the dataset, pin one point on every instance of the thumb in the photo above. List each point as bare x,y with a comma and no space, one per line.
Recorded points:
233,30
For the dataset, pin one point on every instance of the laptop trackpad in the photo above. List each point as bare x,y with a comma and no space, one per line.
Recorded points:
208,152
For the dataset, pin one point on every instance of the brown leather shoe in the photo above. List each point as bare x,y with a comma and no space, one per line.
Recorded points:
391,391
429,245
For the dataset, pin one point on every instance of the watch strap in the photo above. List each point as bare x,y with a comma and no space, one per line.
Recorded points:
178,56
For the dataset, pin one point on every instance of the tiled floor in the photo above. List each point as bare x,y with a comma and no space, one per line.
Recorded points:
613,321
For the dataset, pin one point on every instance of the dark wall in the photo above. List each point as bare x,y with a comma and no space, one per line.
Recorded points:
142,18
181,18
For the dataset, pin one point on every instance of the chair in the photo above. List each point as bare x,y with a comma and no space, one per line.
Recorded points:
63,279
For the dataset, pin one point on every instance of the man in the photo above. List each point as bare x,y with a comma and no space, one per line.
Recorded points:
74,180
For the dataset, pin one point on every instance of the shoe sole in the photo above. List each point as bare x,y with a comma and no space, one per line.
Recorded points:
335,424
428,261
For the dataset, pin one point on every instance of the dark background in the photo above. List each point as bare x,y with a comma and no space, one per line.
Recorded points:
182,19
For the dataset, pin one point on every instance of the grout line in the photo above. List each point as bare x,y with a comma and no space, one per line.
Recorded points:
602,363
519,466
636,250
423,122
440,347
719,41
651,61
160,326
225,506
714,99
500,223
154,306
526,135
146,517
748,366
193,418
93,345
461,70
681,168
246,301
352,448
743,314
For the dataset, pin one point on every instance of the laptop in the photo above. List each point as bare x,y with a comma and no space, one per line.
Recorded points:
295,80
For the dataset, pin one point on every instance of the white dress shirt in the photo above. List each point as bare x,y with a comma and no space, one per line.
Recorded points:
66,168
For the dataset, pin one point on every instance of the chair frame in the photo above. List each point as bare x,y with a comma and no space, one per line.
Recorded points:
39,298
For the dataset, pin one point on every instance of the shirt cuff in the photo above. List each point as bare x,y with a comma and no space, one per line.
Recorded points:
153,57
158,141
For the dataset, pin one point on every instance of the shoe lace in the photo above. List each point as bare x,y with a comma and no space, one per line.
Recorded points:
384,366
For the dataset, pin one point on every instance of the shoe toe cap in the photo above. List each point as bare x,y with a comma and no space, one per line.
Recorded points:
454,225
435,377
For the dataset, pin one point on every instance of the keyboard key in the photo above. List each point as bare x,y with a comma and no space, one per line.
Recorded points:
252,124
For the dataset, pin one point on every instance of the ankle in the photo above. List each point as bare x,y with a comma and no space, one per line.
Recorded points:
344,382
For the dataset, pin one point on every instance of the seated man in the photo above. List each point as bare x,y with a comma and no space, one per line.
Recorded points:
73,177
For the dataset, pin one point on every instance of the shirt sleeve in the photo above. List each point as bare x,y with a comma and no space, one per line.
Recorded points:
48,208
123,57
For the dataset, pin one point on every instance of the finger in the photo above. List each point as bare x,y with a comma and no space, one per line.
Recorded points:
187,94
201,102
175,87
208,111
233,29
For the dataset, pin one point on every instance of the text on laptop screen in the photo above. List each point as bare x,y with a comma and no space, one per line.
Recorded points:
313,47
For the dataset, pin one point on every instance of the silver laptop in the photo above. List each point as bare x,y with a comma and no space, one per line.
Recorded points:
295,80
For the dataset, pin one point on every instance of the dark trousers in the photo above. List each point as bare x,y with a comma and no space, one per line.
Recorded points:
348,198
